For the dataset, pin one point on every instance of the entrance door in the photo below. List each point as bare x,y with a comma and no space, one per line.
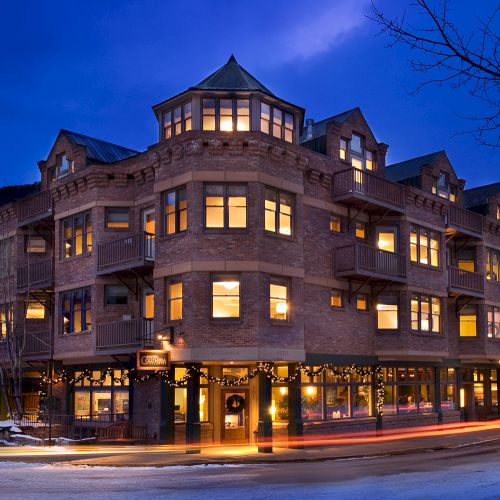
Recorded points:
148,312
235,425
148,226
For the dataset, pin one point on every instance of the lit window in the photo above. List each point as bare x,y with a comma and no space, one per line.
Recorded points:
76,311
386,239
77,235
343,149
424,246
265,117
357,163
282,122
468,321
335,224
35,310
493,322
353,150
498,212
226,115
492,264
370,161
362,302
174,300
177,120
64,166
467,259
226,296
117,218
225,206
387,312
115,295
360,230
441,186
425,313
278,212
35,244
243,114
336,298
278,300
175,211
208,120
6,321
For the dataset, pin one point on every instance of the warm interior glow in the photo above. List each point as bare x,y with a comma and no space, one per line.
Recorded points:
310,390
462,398
281,308
386,241
283,391
230,285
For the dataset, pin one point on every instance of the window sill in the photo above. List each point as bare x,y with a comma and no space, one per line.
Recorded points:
75,257
213,230
425,266
396,331
338,309
417,333
279,236
75,334
278,322
172,236
117,229
226,321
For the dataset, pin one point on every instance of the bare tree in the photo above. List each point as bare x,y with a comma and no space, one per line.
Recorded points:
447,56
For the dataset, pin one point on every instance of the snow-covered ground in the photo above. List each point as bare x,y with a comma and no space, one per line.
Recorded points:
294,481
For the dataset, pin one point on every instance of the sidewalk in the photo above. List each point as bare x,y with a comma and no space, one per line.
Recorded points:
352,446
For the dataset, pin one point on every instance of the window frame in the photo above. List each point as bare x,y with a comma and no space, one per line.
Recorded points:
277,212
284,282
366,297
71,166
85,292
177,211
493,324
106,295
461,312
183,120
397,301
28,239
340,296
431,317
218,278
174,280
234,113
86,240
226,208
339,218
431,235
492,263
281,124
107,211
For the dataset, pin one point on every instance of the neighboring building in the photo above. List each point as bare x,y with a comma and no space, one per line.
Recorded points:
242,237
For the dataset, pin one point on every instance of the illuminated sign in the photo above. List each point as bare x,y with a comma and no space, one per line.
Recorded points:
153,360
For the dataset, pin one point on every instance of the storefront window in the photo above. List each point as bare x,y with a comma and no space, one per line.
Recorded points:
448,393
337,402
180,398
312,402
279,405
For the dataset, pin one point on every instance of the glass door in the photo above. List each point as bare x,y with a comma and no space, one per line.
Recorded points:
148,226
235,413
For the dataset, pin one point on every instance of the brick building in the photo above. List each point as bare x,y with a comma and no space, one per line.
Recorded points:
242,236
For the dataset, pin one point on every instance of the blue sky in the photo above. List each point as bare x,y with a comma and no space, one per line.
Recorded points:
97,67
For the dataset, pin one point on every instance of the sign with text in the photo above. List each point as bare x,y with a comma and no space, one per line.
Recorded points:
148,359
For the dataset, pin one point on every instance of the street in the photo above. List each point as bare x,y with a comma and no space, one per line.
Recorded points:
466,472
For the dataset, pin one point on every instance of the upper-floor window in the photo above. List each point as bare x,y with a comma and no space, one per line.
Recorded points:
424,246
493,322
492,264
362,302
226,296
442,187
278,212
226,115
175,203
35,244
388,311
425,313
278,299
77,235
6,320
225,206
35,309
177,120
115,295
467,319
63,166
117,218
76,311
354,150
174,294
335,223
498,212
336,298
277,122
360,230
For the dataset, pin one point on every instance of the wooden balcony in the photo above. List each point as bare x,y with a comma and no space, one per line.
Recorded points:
130,252
35,208
124,335
364,261
36,275
464,221
464,282
365,189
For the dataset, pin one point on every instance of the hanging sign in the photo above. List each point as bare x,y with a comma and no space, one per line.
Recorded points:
148,359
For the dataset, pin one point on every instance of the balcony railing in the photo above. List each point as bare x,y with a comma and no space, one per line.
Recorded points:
132,251
37,344
352,182
121,334
466,281
364,260
35,207
35,274
465,220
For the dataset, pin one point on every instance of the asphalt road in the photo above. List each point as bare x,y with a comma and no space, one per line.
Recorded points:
469,472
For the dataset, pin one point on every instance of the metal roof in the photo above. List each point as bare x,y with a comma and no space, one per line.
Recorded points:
231,76
9,194
478,196
411,168
319,128
98,150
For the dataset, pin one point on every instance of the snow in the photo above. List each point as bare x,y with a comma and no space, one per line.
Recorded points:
10,425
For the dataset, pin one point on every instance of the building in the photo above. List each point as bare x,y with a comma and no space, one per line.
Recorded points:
243,237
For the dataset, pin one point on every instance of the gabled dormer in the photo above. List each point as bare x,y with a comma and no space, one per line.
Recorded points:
346,137
484,200
229,100
432,173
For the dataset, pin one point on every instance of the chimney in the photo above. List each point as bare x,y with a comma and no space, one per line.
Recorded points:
309,128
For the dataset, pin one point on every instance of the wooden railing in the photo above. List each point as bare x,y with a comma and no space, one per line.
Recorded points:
132,332
461,218
466,280
133,249
353,180
365,259
35,206
38,343
32,274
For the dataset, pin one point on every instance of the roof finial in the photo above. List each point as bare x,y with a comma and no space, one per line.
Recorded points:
232,59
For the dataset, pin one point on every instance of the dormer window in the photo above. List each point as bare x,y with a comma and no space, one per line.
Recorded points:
282,122
354,151
177,120
63,166
441,186
226,115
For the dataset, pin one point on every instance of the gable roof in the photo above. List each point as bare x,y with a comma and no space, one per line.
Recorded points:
478,196
411,168
231,76
319,128
9,194
98,150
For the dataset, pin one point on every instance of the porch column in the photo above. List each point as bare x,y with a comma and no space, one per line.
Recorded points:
378,417
193,426
265,425
295,422
437,394
167,410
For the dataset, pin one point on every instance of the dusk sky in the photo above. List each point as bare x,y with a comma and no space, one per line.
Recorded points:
97,68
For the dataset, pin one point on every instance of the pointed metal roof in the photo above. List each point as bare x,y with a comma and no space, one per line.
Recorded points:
232,76
408,169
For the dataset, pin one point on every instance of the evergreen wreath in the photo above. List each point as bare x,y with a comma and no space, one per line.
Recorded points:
235,404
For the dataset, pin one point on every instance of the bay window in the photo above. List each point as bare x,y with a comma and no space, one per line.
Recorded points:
76,311
278,212
278,299
225,115
226,296
282,122
388,312
77,235
177,120
424,246
354,151
225,206
442,187
175,211
425,313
